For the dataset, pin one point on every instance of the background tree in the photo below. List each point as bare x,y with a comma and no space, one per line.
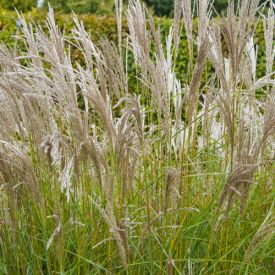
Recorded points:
161,7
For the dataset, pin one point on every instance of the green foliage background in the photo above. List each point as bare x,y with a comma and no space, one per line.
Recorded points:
22,5
82,6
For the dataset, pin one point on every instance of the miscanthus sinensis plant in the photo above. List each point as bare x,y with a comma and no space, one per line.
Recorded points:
100,175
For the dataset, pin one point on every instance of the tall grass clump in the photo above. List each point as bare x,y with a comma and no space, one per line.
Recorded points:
105,172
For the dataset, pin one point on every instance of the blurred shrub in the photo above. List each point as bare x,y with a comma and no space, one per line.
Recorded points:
78,6
22,5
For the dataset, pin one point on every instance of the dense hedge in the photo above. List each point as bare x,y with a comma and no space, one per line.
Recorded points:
106,27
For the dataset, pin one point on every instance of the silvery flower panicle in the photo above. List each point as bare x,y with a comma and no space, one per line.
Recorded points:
178,137
269,40
252,54
168,63
2,97
65,178
51,146
178,99
19,24
227,69
200,142
216,130
216,126
253,119
56,231
213,49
